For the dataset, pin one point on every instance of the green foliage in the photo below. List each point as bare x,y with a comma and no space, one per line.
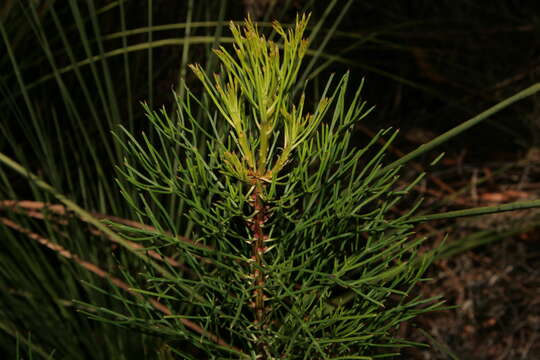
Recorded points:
293,252
73,70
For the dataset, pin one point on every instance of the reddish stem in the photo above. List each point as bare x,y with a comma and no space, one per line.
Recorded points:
258,249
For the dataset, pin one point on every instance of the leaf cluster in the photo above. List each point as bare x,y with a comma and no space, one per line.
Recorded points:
338,266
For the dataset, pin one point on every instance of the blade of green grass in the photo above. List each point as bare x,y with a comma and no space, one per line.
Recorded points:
483,210
531,90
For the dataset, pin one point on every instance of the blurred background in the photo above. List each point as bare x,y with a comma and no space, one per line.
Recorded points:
71,71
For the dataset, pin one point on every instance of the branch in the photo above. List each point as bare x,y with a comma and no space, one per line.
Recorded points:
61,210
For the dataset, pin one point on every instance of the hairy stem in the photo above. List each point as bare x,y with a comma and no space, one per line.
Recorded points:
258,249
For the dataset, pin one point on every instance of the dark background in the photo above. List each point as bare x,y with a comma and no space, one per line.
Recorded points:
427,65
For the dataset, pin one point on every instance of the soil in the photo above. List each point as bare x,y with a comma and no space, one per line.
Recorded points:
495,288
496,293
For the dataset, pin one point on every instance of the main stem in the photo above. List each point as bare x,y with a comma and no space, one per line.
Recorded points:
258,250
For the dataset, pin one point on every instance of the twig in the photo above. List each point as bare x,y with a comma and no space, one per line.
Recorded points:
27,207
61,210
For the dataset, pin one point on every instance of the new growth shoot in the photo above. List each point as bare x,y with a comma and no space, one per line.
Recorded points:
254,95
